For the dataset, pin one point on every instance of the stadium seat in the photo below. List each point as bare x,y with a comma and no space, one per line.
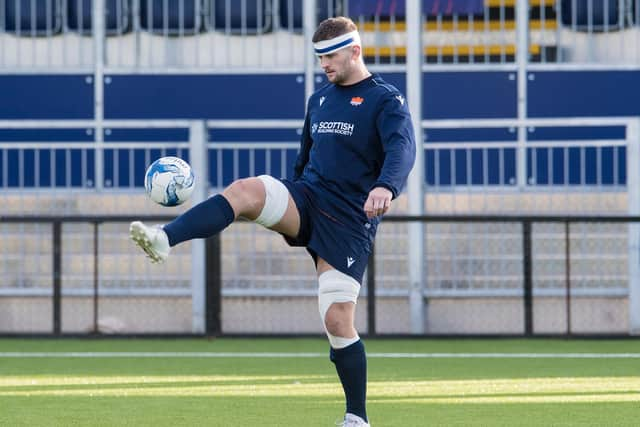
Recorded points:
171,17
494,53
33,18
291,12
117,18
448,18
385,9
605,15
256,17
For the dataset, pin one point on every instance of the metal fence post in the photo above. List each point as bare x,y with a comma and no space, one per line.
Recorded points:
522,61
99,37
96,276
371,293
567,272
198,158
214,286
633,200
528,280
309,27
57,275
415,185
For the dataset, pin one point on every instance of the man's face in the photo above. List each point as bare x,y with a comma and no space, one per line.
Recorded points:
337,66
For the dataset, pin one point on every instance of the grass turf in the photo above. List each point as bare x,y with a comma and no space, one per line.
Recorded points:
229,391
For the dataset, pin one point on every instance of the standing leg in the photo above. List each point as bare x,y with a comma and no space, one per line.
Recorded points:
337,297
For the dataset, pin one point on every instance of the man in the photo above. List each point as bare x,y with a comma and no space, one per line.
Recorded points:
356,152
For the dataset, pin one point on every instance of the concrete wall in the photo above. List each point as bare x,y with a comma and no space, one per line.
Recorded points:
300,315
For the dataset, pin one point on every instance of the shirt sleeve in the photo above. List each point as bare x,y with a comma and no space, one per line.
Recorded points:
398,142
305,148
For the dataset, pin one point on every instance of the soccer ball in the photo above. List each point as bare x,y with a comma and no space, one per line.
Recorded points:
169,181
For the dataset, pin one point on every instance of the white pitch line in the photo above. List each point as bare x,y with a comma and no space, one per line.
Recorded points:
146,354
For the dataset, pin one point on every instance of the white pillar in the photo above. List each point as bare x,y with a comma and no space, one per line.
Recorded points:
98,26
633,200
309,27
522,60
415,184
198,138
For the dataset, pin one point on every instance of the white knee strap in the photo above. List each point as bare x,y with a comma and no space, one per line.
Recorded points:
335,287
276,201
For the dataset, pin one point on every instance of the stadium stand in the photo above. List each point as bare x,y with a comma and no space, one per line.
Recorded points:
118,16
41,18
170,17
477,31
291,12
240,18
597,15
491,21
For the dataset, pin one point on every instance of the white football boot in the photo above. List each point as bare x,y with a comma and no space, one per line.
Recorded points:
152,240
351,420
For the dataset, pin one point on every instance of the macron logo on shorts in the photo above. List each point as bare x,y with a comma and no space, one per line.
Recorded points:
350,261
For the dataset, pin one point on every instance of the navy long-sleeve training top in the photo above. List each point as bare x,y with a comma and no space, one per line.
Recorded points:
355,138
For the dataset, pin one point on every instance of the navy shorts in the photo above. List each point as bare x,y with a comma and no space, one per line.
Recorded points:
330,231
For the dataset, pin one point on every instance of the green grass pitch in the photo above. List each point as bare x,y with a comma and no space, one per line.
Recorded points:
454,388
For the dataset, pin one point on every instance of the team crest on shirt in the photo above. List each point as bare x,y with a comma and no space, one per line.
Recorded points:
322,98
356,100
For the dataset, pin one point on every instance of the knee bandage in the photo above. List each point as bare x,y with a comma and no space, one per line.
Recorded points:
335,287
276,201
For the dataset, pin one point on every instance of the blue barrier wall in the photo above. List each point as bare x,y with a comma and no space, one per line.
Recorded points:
281,96
583,93
237,96
46,97
446,95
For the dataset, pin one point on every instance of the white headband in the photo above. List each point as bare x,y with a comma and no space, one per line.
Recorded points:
326,47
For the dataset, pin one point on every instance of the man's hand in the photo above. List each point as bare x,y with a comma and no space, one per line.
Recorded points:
378,202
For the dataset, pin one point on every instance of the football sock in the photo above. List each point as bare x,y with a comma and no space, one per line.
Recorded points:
203,220
351,364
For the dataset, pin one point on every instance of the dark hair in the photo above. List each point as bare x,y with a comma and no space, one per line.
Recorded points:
333,27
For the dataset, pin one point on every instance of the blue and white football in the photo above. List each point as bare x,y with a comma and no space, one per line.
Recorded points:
169,181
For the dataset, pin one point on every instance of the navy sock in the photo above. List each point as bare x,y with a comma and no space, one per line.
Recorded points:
203,220
351,364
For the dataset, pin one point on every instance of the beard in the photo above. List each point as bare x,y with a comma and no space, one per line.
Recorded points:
335,78
339,77
342,69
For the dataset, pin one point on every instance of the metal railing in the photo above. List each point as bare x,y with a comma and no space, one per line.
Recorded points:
511,313
528,157
470,263
529,285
